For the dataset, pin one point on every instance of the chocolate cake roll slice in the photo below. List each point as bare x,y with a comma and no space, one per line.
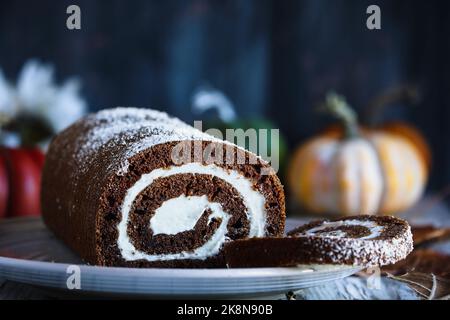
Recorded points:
137,188
360,241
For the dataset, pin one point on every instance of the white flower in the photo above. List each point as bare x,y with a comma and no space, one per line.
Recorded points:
8,107
35,88
67,106
37,94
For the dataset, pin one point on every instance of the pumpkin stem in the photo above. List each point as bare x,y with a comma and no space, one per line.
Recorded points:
402,93
337,106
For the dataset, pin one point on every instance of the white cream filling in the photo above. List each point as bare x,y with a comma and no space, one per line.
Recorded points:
180,214
171,210
375,229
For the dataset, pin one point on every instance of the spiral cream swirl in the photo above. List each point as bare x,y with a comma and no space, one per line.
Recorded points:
161,222
336,229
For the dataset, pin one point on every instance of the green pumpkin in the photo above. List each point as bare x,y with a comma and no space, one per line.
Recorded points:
256,124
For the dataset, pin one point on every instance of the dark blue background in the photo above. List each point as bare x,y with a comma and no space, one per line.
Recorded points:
272,58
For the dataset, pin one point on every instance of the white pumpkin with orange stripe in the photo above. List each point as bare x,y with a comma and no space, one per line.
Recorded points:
360,172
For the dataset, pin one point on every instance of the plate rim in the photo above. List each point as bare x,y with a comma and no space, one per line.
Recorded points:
173,272
164,282
170,282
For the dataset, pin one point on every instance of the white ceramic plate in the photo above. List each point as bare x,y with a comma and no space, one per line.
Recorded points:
30,254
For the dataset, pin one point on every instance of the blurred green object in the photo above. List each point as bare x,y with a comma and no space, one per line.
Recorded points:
208,98
264,149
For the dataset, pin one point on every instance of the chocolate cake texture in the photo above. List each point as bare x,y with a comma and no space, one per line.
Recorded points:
359,240
116,190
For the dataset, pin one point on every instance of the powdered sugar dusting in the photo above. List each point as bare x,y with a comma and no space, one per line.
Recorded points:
134,130
360,251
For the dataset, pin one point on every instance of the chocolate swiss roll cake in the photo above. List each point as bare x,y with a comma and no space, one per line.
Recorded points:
137,188
359,241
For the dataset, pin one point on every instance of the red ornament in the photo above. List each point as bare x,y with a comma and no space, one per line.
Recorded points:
20,181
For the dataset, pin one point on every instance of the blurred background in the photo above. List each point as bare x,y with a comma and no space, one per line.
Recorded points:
274,60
